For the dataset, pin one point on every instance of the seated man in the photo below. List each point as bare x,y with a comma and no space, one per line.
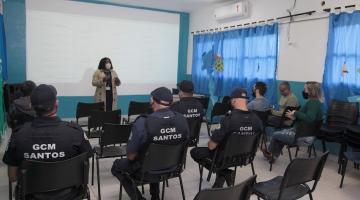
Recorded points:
147,129
47,138
21,111
287,99
260,103
189,106
239,117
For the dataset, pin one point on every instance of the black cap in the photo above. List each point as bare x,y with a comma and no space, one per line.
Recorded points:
239,93
43,96
186,86
162,94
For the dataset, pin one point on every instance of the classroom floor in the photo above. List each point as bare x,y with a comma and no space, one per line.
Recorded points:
328,187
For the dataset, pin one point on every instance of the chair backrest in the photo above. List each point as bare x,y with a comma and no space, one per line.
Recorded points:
263,115
40,177
218,109
352,137
194,126
115,134
138,108
204,101
303,170
241,191
342,114
226,100
84,109
238,150
97,118
160,159
307,129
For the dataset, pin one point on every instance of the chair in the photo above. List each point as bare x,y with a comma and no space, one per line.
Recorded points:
280,122
293,185
305,129
352,139
162,161
41,177
137,108
263,115
84,110
241,191
113,134
237,151
340,115
194,126
97,119
219,109
205,103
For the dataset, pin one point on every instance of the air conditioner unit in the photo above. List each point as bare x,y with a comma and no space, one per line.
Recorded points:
236,10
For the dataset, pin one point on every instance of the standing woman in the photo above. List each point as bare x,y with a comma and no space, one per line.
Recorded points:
105,80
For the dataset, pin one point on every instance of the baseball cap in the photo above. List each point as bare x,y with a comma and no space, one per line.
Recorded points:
162,94
239,93
43,96
186,86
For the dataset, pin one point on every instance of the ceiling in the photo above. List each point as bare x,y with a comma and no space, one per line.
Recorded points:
174,5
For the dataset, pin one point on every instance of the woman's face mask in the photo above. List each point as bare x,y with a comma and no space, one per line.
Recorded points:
108,66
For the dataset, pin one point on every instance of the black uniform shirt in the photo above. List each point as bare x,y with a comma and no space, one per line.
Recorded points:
46,139
139,134
190,107
244,121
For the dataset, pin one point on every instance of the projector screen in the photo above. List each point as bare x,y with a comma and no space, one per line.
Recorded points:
65,41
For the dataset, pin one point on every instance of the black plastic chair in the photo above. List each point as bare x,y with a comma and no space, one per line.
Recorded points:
162,161
305,129
352,139
137,108
113,136
263,115
241,191
84,110
237,151
205,103
41,177
280,122
293,185
340,115
194,126
218,110
97,119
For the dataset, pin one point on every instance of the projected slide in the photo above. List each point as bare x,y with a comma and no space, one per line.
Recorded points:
65,41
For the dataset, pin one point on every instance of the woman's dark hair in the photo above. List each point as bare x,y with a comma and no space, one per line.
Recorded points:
27,88
261,86
103,61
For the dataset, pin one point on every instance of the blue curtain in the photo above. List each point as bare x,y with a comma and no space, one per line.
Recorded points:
3,61
248,55
342,66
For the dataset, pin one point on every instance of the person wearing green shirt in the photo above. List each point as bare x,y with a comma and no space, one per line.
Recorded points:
310,112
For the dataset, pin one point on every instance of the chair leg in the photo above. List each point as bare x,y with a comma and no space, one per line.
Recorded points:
252,168
201,169
142,189
92,169
323,145
310,195
98,178
296,152
288,148
120,194
182,187
10,190
163,191
208,129
345,161
167,183
313,147
309,150
270,166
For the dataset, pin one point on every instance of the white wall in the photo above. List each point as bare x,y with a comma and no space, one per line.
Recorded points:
301,60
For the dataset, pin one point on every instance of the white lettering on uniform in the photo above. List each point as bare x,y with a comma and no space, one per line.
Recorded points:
44,147
168,130
246,128
167,137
